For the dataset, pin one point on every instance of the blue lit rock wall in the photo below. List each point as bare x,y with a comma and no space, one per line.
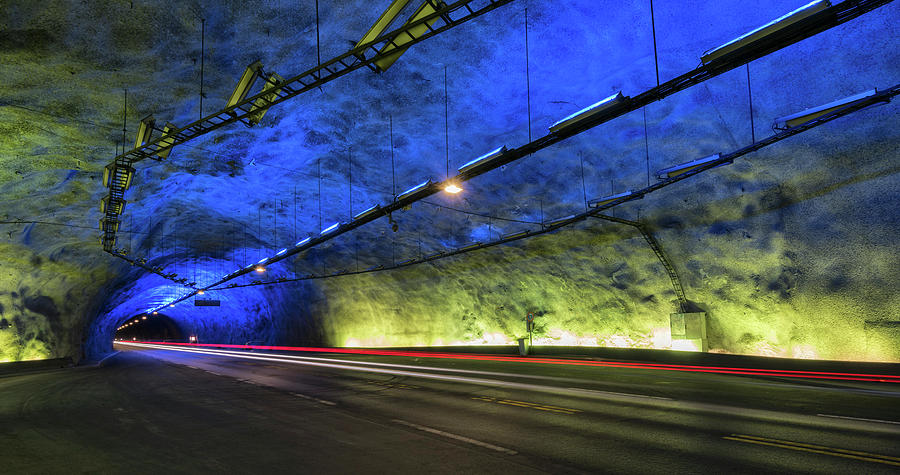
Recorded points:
790,250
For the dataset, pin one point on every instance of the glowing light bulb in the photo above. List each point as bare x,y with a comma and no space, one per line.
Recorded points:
144,317
260,269
452,188
200,292
155,313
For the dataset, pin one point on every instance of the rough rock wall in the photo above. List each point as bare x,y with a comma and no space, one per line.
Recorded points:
790,250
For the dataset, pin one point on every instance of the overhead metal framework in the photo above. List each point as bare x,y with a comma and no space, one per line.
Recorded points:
881,97
585,120
385,47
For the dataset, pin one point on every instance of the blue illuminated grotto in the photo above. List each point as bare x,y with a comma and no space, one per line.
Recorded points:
791,251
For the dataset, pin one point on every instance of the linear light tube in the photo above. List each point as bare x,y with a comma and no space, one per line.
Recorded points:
302,242
413,190
608,199
482,159
262,261
470,246
685,167
812,113
773,26
515,235
405,262
281,252
376,267
560,220
330,228
368,212
435,255
589,111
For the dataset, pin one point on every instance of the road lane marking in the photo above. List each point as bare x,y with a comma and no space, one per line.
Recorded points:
310,398
858,419
529,405
393,385
818,449
460,438
613,393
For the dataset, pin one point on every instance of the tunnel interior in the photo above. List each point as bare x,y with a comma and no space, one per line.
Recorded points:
151,327
787,251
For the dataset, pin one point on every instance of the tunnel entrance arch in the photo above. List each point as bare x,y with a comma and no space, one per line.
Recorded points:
150,327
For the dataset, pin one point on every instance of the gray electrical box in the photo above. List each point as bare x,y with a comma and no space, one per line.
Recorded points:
688,331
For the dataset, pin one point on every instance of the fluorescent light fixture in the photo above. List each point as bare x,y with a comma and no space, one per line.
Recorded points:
405,262
262,261
413,190
482,159
561,220
452,188
589,111
469,247
435,255
378,267
609,199
685,167
515,235
773,26
800,118
330,228
281,252
367,212
302,242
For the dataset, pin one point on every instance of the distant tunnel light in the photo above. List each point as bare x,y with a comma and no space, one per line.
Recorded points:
609,199
488,157
367,212
413,190
685,167
144,130
813,113
393,49
590,111
302,242
773,26
244,84
168,139
330,228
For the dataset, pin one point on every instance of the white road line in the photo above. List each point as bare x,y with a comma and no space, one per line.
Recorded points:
310,398
858,419
460,438
612,393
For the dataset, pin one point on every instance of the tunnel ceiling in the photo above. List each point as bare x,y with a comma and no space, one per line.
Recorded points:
790,250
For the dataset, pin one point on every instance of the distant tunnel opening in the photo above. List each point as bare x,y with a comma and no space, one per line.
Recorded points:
149,327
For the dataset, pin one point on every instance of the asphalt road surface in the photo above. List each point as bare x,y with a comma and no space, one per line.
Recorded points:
186,410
